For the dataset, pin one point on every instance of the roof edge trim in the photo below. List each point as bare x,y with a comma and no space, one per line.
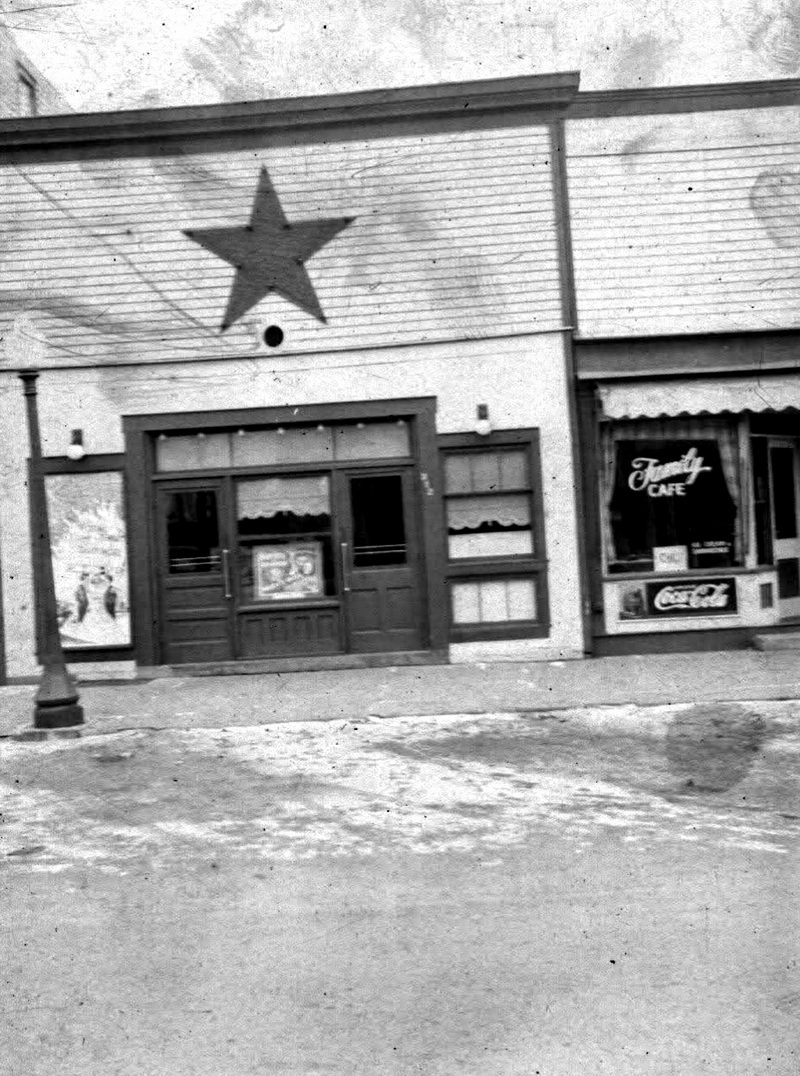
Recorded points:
707,97
549,94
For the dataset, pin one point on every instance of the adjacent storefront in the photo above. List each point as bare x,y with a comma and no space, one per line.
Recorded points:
696,507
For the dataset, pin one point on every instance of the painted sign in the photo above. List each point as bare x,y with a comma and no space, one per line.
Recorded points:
670,493
678,598
90,563
648,474
289,571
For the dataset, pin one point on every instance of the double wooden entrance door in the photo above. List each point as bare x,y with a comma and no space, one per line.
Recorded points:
354,585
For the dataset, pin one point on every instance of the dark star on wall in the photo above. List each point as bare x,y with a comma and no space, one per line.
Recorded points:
269,254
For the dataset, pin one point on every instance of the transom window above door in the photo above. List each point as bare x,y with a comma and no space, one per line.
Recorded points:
278,446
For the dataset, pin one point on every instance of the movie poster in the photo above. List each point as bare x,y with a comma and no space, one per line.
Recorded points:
90,565
288,571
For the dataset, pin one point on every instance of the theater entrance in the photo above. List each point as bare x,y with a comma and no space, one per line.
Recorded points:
312,558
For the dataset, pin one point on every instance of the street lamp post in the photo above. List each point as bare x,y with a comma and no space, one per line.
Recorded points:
56,701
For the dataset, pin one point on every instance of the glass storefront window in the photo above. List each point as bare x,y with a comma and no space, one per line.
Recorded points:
495,540
372,440
294,444
278,445
284,538
193,452
670,496
492,601
484,517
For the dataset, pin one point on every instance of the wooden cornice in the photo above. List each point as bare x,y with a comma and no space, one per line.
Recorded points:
710,97
543,96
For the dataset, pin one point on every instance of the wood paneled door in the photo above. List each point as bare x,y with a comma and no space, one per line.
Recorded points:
215,553
193,580
381,561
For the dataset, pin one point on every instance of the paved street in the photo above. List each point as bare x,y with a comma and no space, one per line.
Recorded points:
536,894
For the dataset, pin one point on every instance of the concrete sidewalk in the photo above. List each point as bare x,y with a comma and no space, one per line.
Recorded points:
214,702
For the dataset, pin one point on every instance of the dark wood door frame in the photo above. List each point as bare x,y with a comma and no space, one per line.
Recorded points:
407,575
219,580
140,431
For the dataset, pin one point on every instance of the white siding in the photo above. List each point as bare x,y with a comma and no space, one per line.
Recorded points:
454,237
686,223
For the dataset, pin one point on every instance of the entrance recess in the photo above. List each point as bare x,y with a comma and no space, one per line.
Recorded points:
784,467
260,566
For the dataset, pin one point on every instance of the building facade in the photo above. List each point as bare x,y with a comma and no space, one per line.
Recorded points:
315,359
24,90
488,371
683,207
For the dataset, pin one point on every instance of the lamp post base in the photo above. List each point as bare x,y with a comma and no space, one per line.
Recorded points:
57,717
55,705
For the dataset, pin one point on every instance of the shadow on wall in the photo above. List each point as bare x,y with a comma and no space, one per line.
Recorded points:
775,201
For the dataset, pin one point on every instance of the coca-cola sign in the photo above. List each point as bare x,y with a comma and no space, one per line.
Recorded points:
678,598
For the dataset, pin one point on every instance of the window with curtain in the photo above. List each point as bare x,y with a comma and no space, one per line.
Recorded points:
493,515
284,538
670,494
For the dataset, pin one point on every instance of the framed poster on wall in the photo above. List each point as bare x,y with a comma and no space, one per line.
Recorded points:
288,571
90,562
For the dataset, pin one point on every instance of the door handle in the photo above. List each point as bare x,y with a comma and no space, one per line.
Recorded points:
226,573
345,568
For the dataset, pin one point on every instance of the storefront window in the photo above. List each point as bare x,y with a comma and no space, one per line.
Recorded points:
285,543
494,535
494,601
671,492
488,504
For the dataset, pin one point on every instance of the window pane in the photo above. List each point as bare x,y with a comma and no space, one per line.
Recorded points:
192,532
297,444
784,501
466,603
494,606
486,472
490,544
285,544
457,474
494,601
379,532
670,492
521,597
514,470
193,452
372,440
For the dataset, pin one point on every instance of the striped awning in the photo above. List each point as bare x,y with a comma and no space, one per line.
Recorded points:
704,396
